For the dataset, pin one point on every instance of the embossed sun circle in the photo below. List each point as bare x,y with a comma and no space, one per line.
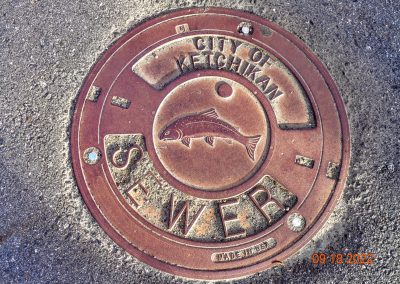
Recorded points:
211,133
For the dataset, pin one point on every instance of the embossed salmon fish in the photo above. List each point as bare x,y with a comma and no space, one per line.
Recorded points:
206,125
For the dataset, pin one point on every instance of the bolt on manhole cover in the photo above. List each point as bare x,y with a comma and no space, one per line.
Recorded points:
210,143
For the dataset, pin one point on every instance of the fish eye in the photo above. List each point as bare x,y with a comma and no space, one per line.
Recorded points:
167,132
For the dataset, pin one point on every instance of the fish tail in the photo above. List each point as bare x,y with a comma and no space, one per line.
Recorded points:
251,145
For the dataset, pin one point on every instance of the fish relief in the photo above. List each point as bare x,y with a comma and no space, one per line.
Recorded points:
206,125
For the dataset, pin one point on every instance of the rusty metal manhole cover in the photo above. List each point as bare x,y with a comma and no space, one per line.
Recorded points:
210,143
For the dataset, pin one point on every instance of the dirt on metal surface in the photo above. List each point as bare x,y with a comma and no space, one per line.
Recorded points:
202,134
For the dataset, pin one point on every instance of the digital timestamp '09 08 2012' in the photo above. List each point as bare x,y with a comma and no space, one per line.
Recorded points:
342,258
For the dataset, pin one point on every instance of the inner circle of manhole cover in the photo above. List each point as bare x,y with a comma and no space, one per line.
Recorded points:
210,143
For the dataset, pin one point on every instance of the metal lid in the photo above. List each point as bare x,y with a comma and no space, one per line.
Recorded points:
210,143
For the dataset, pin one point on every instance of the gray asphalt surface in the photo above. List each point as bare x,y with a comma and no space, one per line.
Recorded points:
47,47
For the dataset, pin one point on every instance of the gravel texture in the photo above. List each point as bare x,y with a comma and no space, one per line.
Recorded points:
47,47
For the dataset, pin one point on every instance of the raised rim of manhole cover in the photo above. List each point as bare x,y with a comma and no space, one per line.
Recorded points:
210,143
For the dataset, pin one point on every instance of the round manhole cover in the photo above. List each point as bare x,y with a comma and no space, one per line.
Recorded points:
210,143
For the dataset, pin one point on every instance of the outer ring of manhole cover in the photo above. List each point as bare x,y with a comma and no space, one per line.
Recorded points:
210,143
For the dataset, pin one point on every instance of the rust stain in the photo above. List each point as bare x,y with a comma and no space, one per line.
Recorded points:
243,217
204,227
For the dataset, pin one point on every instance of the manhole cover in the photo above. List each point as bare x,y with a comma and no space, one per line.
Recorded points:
210,143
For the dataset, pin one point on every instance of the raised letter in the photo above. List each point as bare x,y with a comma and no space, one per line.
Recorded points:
235,44
198,43
251,71
219,63
194,58
255,54
173,219
227,219
138,192
266,204
181,64
272,92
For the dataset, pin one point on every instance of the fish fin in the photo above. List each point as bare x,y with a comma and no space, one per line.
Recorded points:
186,141
229,141
251,145
209,140
210,113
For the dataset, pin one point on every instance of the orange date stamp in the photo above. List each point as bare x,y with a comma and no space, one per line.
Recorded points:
320,258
